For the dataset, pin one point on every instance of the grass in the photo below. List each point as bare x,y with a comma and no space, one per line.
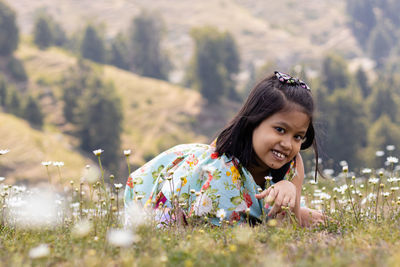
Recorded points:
90,230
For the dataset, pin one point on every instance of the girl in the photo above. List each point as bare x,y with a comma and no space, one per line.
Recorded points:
230,178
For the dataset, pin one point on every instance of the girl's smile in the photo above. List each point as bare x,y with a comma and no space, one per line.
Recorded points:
278,138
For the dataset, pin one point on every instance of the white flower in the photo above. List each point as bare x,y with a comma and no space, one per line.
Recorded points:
341,189
98,152
58,163
136,215
127,152
396,188
118,186
2,179
345,168
4,151
343,163
373,180
392,160
379,153
121,238
35,210
366,171
329,172
221,214
385,194
40,251
46,163
390,147
82,228
268,178
203,205
91,175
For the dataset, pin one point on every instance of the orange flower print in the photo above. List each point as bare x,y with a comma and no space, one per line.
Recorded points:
235,174
192,161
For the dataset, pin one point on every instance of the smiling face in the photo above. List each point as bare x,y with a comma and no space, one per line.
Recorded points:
278,138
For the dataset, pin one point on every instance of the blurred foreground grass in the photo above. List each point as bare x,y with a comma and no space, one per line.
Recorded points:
84,224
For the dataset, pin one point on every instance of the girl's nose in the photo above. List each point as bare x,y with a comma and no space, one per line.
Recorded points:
286,143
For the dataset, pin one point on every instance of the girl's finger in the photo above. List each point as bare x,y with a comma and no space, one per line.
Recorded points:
263,193
292,203
286,201
271,196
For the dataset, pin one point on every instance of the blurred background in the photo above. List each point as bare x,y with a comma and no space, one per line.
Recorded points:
76,76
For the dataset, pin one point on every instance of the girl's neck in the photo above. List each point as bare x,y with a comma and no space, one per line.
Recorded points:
258,173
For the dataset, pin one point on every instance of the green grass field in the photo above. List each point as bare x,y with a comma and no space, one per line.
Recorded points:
83,225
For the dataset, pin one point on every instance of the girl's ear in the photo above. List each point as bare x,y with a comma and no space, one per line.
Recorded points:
310,134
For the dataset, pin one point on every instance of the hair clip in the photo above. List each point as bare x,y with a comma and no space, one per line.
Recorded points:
286,78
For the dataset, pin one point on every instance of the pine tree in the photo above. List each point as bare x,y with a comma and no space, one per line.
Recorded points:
3,91
42,32
32,112
100,121
334,72
74,84
148,59
13,104
92,46
214,63
379,44
119,54
362,81
9,33
346,128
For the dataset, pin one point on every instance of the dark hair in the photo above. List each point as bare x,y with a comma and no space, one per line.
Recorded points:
267,98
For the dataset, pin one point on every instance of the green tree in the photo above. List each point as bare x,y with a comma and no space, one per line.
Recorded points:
74,84
9,34
382,132
42,32
119,54
345,128
148,59
379,44
100,121
334,72
363,18
212,71
362,81
384,101
3,91
13,104
32,112
92,46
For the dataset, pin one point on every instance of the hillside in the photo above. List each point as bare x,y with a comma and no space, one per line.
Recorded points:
157,115
29,147
286,32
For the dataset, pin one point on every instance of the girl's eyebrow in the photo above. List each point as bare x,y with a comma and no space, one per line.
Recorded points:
285,125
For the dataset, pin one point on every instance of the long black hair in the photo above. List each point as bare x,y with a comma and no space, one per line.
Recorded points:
268,97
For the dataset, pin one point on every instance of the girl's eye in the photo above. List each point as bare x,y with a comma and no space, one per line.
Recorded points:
280,130
299,138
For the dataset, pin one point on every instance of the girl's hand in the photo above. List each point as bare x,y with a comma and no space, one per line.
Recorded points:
282,193
310,217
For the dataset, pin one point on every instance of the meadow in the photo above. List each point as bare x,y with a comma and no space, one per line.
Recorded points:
84,224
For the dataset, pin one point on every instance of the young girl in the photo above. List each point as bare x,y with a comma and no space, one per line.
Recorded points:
255,157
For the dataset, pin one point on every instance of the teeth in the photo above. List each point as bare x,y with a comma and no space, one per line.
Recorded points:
280,155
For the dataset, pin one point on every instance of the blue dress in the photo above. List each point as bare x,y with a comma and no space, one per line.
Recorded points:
203,182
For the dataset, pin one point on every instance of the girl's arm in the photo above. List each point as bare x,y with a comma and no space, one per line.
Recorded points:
286,193
298,182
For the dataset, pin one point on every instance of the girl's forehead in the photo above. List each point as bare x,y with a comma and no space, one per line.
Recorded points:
293,118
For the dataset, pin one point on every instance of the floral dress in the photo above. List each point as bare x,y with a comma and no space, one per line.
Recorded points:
209,184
